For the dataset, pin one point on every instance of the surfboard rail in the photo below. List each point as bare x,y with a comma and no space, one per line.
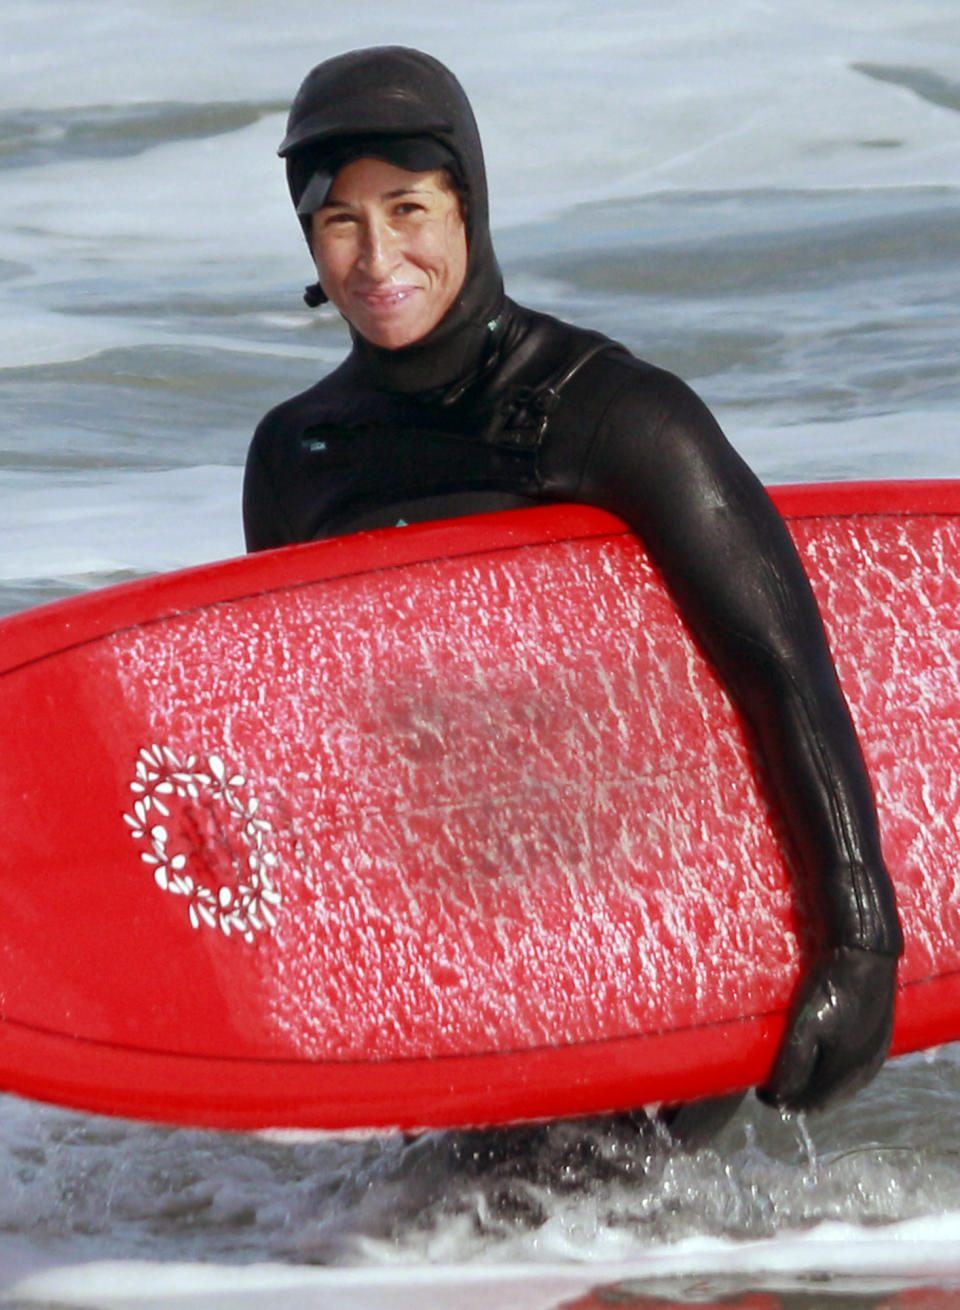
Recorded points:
50,628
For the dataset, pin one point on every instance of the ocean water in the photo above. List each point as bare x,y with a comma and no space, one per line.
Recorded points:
765,199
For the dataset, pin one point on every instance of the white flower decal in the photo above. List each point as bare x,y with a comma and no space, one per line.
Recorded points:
218,826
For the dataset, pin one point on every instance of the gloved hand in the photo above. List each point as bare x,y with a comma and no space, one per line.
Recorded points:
839,1032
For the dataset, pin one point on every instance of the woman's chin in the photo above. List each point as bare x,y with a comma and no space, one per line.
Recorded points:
391,338
392,331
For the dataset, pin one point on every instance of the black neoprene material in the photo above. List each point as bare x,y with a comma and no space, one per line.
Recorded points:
502,406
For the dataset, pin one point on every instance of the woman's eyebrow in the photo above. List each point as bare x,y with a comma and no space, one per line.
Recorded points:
332,202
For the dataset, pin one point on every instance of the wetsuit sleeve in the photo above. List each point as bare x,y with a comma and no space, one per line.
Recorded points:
265,524
662,464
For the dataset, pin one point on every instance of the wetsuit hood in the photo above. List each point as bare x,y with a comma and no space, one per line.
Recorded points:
391,94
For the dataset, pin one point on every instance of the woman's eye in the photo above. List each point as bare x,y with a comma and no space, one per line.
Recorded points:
337,219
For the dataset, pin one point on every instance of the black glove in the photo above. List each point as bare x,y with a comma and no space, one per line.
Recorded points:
839,1032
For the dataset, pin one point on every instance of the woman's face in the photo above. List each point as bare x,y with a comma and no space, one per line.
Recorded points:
391,250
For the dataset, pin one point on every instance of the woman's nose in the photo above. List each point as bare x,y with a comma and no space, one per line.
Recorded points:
379,248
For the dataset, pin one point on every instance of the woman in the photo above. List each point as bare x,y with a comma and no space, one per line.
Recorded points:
455,400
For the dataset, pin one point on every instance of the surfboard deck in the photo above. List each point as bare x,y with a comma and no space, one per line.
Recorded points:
445,826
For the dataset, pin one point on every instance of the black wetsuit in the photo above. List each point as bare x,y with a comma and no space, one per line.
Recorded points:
502,406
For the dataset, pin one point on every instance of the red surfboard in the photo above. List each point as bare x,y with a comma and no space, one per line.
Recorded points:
447,825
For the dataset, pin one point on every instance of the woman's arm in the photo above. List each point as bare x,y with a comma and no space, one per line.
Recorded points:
661,462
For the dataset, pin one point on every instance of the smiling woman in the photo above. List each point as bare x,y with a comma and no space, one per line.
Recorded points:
390,247
453,400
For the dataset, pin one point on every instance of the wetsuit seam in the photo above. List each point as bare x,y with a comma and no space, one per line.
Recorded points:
591,445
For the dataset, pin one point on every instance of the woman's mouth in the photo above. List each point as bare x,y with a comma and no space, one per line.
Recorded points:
382,299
